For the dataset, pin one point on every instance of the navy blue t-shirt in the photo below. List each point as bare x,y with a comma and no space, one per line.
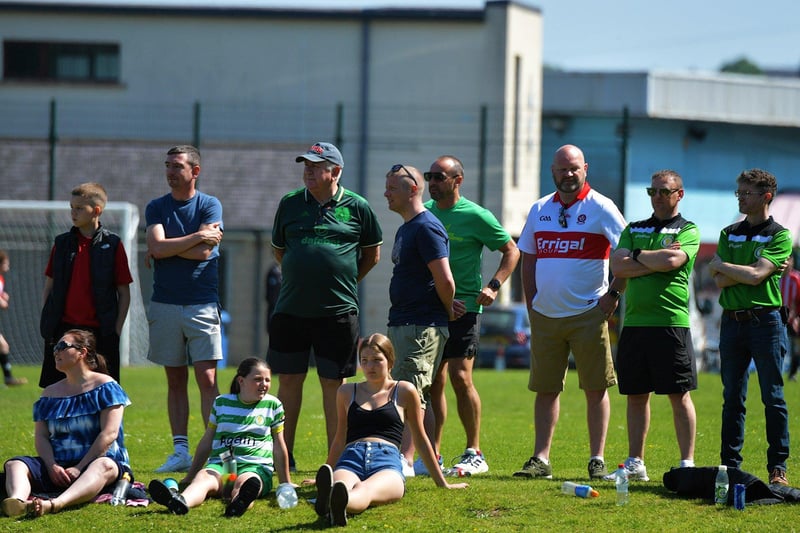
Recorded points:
411,291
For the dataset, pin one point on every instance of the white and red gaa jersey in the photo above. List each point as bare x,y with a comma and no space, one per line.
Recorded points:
572,262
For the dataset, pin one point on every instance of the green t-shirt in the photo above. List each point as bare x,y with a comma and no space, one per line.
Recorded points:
321,246
470,227
660,298
743,244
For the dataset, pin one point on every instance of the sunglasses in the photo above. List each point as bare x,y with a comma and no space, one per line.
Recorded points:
747,194
435,176
398,167
664,193
562,216
63,345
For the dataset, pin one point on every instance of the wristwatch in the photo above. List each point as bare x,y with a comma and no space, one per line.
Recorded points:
615,293
494,284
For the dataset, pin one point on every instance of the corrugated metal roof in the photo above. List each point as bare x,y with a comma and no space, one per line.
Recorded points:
714,97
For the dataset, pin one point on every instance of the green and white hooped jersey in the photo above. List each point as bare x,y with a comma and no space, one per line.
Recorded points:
743,244
660,298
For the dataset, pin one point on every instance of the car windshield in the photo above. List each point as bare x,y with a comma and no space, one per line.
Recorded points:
500,321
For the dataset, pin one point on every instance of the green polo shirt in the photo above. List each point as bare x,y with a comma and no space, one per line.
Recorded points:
470,227
321,246
660,298
743,244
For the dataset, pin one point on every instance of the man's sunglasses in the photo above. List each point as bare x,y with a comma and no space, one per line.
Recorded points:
63,345
398,167
435,176
664,193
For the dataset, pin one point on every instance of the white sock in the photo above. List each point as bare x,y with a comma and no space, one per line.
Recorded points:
687,463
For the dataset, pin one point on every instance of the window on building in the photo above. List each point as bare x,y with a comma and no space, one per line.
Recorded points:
60,61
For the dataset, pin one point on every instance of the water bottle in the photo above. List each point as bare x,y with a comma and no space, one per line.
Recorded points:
120,495
621,481
721,486
172,484
582,491
286,496
229,473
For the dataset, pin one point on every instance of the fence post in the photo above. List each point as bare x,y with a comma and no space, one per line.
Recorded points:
52,139
196,125
482,156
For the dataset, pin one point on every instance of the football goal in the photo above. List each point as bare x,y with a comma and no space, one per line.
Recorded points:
27,230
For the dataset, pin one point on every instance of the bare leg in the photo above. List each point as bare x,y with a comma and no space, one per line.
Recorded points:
439,404
178,399
598,412
329,389
382,487
202,486
467,399
205,373
290,393
546,411
18,485
638,423
685,420
407,447
99,473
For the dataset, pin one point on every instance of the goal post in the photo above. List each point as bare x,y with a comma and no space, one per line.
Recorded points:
27,232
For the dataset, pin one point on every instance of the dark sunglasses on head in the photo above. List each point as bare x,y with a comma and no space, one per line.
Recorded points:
398,167
63,345
652,191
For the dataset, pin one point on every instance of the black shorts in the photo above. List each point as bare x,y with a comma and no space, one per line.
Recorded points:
333,338
465,334
656,359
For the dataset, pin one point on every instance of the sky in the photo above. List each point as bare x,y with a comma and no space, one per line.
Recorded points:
619,35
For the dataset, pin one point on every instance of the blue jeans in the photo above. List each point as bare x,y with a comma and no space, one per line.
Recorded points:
762,339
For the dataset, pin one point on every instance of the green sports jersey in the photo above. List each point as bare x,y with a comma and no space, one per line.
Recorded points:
470,227
660,298
743,244
321,246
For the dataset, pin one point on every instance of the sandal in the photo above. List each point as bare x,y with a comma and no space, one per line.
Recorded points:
37,507
14,507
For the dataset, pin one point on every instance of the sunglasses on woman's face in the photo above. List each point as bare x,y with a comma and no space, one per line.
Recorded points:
63,345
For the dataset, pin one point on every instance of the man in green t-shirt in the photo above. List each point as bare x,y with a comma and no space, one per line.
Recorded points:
751,255
655,352
326,239
470,228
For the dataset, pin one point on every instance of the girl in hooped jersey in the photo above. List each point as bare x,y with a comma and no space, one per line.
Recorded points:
249,422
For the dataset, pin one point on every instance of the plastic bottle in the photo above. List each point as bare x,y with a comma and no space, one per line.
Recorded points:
286,496
172,484
120,495
621,482
721,486
229,473
582,491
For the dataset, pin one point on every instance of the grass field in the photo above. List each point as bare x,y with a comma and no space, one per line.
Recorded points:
493,502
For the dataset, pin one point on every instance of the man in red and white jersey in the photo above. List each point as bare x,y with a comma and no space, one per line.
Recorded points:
790,292
566,244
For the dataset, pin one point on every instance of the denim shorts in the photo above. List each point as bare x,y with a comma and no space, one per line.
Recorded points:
367,458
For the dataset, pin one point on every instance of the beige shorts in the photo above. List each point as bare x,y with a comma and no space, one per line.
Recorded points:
418,353
552,340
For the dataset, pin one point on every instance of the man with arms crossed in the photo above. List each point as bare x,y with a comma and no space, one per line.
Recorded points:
469,227
655,352
184,229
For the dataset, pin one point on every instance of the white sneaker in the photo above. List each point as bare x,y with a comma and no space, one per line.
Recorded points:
408,470
421,470
635,468
177,462
472,462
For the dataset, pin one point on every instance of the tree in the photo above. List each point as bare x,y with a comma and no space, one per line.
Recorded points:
741,66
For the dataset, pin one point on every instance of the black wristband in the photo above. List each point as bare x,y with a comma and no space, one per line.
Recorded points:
635,254
494,284
615,293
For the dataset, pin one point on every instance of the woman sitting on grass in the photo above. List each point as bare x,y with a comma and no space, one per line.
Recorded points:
78,434
366,448
249,423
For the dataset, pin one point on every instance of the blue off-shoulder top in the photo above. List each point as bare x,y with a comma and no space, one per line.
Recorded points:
74,422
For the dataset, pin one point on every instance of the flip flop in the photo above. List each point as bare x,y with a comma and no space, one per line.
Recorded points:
248,492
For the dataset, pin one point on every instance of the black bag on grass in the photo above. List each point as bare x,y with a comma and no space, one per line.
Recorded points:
698,482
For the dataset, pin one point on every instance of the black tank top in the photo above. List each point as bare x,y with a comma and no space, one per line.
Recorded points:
383,422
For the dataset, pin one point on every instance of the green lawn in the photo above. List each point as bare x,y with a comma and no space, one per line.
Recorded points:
494,501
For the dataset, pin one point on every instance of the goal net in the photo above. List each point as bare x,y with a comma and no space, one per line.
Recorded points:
27,231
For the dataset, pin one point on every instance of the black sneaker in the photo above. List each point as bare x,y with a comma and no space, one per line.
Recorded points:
173,501
339,499
324,484
248,492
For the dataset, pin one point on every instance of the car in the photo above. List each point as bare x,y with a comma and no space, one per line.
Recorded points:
505,337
